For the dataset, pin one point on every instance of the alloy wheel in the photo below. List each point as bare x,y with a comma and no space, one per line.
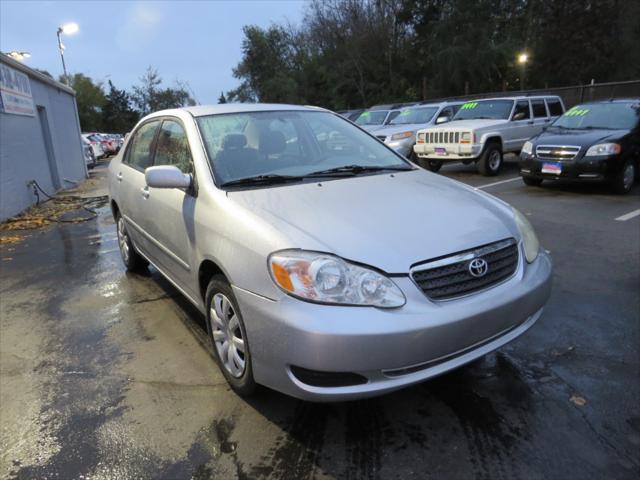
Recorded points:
123,240
494,160
227,335
628,177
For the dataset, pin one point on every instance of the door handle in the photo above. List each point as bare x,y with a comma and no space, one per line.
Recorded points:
145,192
530,122
119,176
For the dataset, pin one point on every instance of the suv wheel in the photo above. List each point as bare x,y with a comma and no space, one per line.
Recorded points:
132,260
623,181
491,161
532,182
229,337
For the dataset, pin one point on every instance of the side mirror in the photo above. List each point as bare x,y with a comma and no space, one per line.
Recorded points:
518,116
442,119
167,176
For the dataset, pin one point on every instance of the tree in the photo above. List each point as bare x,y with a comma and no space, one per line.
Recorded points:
90,99
118,115
222,98
150,97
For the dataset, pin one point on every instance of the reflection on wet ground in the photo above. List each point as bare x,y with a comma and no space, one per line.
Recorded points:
110,375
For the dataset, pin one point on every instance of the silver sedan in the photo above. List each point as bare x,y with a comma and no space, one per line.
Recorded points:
327,265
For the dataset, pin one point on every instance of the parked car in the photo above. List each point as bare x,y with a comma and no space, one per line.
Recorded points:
484,130
310,248
400,133
597,141
96,144
372,120
89,157
109,144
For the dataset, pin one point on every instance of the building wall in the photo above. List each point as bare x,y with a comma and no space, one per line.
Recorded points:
23,152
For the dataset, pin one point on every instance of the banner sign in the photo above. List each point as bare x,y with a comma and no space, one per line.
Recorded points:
15,92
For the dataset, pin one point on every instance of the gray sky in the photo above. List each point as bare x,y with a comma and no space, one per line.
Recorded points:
194,41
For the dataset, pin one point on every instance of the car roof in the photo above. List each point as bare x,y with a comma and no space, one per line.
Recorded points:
203,110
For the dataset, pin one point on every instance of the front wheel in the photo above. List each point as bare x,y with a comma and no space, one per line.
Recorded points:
623,180
229,336
491,161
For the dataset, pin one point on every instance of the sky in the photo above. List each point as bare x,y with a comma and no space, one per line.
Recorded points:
194,41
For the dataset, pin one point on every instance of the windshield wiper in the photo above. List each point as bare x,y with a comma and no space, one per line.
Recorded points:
349,170
269,179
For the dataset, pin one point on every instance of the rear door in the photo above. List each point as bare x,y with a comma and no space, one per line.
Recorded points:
170,224
555,108
540,115
132,187
519,128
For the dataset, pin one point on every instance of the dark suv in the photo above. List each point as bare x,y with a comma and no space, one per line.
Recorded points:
597,141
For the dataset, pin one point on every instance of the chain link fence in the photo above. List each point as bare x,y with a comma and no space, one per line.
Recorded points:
570,95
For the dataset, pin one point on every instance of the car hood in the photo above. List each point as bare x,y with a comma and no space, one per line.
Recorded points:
387,221
392,129
582,138
371,128
469,124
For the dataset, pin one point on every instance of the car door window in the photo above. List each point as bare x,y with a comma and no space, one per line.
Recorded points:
521,111
173,147
141,145
539,110
555,107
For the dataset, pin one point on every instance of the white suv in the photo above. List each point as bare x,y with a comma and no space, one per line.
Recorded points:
483,130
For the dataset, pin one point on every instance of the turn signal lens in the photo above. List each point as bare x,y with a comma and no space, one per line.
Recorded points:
400,136
324,278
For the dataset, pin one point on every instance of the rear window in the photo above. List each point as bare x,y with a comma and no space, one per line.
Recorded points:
555,107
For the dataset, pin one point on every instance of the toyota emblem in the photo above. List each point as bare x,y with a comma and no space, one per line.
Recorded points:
478,267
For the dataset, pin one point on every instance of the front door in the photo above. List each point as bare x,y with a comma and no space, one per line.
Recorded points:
520,127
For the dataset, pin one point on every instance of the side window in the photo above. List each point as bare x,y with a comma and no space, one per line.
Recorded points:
173,147
521,111
555,107
141,146
539,110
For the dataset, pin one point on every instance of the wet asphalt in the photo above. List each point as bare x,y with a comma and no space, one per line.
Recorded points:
108,375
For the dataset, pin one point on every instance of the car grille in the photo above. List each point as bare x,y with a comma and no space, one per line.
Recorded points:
450,277
440,137
557,152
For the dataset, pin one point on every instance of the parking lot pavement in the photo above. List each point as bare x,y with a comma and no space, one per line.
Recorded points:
110,375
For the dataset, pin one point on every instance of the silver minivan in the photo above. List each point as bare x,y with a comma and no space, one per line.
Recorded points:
322,258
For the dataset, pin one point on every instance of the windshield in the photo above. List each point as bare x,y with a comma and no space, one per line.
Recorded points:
490,109
375,117
414,115
288,143
610,115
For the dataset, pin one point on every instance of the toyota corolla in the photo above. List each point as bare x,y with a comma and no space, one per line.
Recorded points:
327,265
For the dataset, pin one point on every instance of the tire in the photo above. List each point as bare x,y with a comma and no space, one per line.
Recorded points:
132,260
622,182
224,320
532,182
490,162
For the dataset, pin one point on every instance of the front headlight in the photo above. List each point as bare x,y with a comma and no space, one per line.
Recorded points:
529,239
325,278
467,137
527,148
400,136
603,149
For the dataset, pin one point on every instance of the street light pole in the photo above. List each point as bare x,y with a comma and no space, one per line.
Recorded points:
523,58
69,29
61,48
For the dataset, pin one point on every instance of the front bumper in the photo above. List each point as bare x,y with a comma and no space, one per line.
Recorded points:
452,152
403,147
597,168
391,348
